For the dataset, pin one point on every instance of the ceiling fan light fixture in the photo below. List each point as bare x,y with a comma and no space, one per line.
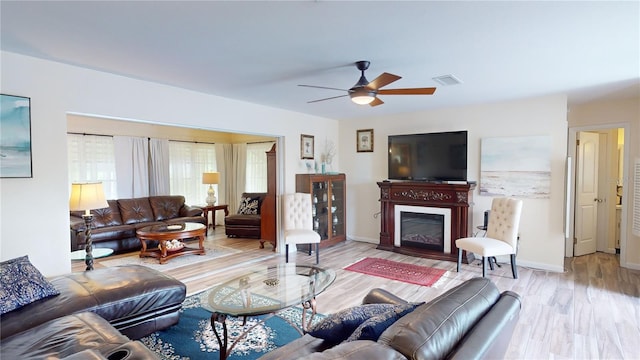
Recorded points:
362,96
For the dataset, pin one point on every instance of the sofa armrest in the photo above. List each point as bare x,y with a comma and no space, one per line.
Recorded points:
76,227
381,296
189,211
132,350
490,337
87,354
356,350
297,349
76,223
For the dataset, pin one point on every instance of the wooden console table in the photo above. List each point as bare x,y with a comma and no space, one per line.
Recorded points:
456,197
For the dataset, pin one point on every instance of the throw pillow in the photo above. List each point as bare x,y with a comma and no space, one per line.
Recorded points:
372,328
249,206
337,327
21,284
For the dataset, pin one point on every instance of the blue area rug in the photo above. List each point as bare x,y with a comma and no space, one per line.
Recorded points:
193,338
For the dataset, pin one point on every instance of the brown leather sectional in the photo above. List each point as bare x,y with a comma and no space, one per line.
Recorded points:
98,314
470,321
115,227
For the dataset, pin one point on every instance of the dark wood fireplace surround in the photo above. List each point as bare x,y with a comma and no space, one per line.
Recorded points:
457,197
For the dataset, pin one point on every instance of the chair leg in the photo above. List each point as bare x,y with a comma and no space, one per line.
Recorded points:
310,246
459,259
514,269
484,266
317,253
491,259
286,253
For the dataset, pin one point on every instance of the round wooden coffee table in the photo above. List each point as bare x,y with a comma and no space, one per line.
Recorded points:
165,233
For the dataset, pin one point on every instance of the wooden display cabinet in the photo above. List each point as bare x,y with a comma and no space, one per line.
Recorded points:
268,209
328,193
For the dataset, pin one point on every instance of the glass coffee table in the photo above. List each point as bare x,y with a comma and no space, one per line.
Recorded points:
265,290
95,252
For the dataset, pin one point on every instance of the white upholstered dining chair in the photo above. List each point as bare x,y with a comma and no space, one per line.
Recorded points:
501,237
298,223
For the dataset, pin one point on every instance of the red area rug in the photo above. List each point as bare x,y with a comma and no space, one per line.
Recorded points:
409,273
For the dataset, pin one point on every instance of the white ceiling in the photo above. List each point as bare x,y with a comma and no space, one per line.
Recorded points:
259,51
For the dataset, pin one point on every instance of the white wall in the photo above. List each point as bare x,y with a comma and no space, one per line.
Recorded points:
34,212
541,229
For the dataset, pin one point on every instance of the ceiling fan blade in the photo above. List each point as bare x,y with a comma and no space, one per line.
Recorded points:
323,87
413,91
329,98
376,101
383,80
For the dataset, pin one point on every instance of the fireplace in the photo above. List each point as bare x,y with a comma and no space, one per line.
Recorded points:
440,210
423,227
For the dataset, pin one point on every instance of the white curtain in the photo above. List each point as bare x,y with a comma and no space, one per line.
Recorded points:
132,166
159,183
239,170
92,158
224,159
187,162
256,177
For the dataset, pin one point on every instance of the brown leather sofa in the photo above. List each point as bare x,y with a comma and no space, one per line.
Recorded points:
242,225
96,315
471,321
115,227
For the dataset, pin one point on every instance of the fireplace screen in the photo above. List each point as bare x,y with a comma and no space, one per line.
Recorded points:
422,230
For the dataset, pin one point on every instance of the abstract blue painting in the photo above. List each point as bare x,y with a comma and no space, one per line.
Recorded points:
15,137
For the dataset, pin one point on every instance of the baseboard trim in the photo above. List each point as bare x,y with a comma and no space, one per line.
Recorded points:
363,239
540,266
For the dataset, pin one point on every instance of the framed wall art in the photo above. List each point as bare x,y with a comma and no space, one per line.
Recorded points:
15,137
306,146
516,166
364,140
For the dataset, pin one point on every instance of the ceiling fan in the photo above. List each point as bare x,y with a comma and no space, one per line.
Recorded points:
365,92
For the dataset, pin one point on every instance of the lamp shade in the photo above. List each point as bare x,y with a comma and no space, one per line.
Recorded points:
211,178
87,196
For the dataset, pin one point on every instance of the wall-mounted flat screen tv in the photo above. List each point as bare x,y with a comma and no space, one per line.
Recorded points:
428,157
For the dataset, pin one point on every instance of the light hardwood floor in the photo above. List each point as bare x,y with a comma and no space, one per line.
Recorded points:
591,311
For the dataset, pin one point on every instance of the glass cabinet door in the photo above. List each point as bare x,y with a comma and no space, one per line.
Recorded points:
337,208
320,210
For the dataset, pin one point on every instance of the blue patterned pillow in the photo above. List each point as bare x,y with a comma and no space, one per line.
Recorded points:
21,284
337,327
249,206
372,328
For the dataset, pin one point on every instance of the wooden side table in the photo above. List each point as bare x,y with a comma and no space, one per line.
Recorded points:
213,209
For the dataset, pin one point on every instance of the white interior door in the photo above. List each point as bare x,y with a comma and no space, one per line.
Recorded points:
586,212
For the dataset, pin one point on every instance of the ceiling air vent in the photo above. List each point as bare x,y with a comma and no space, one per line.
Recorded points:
447,80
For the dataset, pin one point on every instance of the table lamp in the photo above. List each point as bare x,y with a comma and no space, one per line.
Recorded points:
211,178
86,197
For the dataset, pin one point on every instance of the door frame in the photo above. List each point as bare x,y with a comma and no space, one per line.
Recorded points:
571,183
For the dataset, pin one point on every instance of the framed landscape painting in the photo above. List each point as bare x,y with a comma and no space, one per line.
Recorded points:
516,166
15,137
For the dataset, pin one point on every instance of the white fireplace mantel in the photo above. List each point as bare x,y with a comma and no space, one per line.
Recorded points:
399,209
